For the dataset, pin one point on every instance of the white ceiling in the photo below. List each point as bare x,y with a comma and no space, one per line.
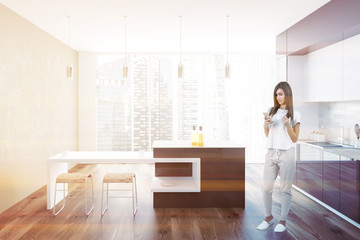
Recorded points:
153,25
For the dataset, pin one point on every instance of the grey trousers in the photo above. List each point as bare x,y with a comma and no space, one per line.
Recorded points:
280,162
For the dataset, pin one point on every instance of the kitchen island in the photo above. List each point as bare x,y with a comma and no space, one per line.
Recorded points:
222,174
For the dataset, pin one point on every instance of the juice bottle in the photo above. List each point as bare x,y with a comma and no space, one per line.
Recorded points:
201,137
194,137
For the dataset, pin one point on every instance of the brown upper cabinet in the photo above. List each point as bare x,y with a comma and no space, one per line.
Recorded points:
328,44
335,21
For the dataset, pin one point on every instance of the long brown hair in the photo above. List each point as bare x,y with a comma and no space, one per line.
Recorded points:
288,100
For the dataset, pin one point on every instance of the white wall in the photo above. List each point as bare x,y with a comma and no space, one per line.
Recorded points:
87,101
38,105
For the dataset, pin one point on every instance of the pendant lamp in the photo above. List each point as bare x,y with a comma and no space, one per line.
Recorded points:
125,67
180,66
227,65
69,68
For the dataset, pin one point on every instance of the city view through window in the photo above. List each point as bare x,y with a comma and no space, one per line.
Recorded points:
152,103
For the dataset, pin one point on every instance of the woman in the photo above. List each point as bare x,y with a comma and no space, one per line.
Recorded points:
281,126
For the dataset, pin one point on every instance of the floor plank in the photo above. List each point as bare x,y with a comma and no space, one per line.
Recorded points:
29,218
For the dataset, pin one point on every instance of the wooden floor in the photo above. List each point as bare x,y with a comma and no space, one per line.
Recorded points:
29,219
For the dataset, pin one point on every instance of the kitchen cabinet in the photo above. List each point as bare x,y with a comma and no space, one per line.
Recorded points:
332,73
323,71
328,72
349,188
311,86
281,68
309,181
351,81
335,22
331,180
309,170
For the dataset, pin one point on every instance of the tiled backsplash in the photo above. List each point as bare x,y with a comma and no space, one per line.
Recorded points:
336,115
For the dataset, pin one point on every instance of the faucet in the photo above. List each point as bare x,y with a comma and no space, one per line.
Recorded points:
341,138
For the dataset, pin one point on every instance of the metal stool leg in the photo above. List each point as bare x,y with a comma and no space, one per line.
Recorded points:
102,198
107,195
136,194
132,195
56,213
116,179
134,198
86,197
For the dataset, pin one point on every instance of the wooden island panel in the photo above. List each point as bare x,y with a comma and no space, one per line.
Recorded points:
222,177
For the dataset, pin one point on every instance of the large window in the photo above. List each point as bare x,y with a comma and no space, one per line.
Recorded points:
154,104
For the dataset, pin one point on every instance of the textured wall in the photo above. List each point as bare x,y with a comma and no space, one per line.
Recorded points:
38,105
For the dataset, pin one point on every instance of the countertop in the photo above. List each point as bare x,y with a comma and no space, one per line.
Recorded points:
187,144
344,151
112,157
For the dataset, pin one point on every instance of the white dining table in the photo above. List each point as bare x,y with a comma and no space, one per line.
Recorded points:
59,163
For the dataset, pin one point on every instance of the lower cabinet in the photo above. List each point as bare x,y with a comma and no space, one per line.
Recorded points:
309,169
308,180
331,178
349,188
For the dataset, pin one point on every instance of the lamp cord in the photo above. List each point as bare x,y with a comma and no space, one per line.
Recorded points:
227,39
69,18
125,37
180,36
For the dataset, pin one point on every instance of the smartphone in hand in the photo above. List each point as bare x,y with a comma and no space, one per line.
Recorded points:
267,116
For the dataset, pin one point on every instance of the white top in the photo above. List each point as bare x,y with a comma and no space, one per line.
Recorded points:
112,157
278,137
187,144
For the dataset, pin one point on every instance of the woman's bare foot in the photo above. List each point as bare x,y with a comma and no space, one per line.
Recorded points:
282,222
269,218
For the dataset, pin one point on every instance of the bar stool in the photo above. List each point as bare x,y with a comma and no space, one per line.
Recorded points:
119,178
81,176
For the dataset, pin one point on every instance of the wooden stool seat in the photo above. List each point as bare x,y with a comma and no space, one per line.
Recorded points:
71,178
118,177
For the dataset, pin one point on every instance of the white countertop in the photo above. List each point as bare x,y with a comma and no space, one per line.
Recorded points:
187,144
346,152
113,157
343,151
99,156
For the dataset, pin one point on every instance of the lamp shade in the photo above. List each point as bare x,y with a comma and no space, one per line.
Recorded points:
125,71
180,70
69,71
227,65
227,70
